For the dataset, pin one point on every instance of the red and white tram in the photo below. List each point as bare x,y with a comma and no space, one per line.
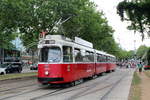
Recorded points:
62,60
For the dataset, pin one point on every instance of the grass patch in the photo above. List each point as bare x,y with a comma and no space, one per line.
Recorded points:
18,75
147,73
136,79
135,91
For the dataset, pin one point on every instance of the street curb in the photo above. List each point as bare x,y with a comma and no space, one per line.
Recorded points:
20,78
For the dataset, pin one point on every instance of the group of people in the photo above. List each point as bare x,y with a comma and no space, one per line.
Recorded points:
131,64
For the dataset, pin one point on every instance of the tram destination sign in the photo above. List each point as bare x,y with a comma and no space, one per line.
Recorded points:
50,42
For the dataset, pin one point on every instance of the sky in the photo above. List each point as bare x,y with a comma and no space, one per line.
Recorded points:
126,38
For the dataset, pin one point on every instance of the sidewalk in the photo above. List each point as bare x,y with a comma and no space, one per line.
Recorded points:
121,91
145,86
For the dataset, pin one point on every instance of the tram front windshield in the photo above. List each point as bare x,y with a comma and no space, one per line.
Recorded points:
50,54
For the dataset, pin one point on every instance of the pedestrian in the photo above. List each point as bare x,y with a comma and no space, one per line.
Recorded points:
140,66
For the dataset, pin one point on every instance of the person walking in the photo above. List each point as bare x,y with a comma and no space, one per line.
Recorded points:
140,66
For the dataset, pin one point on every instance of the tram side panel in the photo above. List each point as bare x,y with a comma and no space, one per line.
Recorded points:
64,73
77,71
111,66
88,69
100,68
73,72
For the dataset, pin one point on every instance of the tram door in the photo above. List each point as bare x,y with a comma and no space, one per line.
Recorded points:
68,62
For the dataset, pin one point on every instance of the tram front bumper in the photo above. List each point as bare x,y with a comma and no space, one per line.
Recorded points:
47,80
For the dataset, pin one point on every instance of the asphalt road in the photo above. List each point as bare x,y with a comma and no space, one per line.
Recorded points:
96,89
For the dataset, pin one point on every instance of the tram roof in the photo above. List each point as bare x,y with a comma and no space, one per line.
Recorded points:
78,43
104,53
100,52
77,40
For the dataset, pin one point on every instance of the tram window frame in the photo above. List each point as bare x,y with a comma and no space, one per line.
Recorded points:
101,58
92,56
86,57
109,59
89,56
105,58
68,54
44,54
77,54
97,57
80,56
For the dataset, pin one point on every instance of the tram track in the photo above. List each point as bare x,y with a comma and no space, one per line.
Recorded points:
84,89
58,92
18,80
81,93
104,97
111,86
16,88
11,85
8,97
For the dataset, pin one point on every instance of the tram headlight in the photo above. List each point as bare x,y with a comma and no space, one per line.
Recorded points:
46,72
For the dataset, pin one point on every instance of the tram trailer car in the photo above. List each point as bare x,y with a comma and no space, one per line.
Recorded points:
62,60
111,63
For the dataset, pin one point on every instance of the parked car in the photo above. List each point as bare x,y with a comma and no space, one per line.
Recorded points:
14,67
3,68
10,68
34,67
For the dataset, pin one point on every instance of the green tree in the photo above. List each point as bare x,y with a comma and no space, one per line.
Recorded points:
6,40
148,56
68,17
141,51
138,13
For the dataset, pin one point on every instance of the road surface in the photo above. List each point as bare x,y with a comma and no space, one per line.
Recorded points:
101,88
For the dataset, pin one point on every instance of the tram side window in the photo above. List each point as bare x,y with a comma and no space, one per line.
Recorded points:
105,59
91,57
44,55
67,54
99,58
78,55
108,59
111,59
87,57
114,60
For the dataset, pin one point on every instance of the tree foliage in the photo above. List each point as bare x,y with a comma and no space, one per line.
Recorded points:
6,40
148,56
138,13
123,54
68,17
141,51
